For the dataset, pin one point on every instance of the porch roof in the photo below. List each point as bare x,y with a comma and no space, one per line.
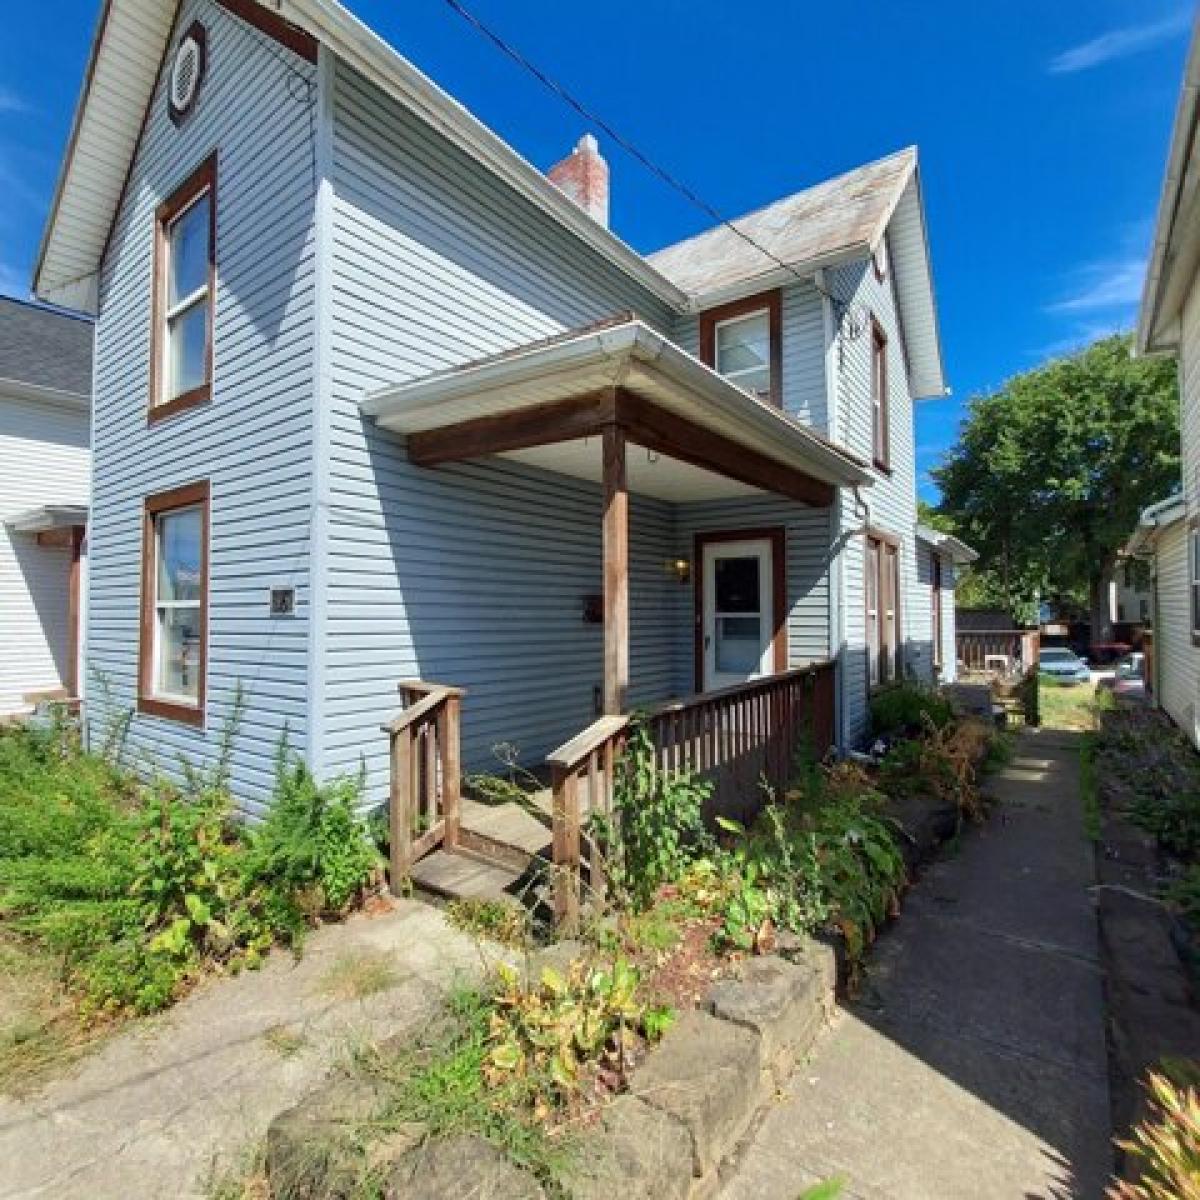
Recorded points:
947,544
48,517
565,388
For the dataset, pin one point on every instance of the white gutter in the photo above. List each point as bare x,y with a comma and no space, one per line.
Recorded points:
1158,516
946,543
364,50
617,350
18,389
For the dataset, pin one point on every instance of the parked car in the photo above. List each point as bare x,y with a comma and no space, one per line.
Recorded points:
1063,666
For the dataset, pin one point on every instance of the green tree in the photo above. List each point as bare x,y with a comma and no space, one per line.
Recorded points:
1051,471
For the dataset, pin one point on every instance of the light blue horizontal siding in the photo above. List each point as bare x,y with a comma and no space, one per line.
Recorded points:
892,498
473,574
803,352
253,442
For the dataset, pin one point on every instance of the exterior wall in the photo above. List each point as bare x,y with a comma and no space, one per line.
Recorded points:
253,441
892,499
803,332
470,574
926,557
43,460
1178,661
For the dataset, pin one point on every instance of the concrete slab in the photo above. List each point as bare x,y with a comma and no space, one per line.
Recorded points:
973,1064
170,1100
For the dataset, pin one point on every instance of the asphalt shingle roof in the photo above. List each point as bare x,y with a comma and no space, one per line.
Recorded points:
45,348
835,217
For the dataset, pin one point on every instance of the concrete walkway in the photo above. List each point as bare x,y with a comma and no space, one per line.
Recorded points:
171,1101
973,1064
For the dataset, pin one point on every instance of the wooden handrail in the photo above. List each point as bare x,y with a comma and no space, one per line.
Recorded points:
426,770
732,736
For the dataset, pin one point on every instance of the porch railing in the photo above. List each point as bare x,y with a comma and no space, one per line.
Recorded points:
425,773
975,647
733,737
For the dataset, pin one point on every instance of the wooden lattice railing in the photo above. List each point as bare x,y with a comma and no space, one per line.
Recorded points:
735,738
1007,651
425,773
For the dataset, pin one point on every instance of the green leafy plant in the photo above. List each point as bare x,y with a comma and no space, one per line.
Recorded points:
1165,1146
551,1028
908,708
658,827
501,922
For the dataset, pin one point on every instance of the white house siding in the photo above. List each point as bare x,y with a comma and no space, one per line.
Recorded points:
803,333
892,498
472,574
1178,660
43,460
253,441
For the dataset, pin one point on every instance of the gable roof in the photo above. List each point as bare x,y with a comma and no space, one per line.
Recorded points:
834,221
45,350
839,220
1175,252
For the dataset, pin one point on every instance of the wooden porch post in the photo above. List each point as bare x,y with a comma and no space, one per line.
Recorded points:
74,614
616,572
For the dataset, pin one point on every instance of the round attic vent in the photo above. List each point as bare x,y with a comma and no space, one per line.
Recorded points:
187,72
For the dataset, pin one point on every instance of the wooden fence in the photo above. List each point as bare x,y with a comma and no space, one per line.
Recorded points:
1018,648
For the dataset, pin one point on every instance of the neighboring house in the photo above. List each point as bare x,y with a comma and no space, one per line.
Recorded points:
45,414
1169,323
1129,597
939,554
376,399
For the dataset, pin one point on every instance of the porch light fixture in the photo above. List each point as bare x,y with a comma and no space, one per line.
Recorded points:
681,569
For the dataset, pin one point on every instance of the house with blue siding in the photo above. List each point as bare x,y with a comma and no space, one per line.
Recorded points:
385,415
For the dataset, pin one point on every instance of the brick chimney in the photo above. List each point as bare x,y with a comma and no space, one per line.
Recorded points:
583,175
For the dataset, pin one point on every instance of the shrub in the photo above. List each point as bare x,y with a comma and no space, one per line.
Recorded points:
1165,1147
658,828
942,763
140,888
908,708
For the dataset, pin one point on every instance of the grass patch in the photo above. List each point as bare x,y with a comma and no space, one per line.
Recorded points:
359,975
1075,708
491,919
285,1041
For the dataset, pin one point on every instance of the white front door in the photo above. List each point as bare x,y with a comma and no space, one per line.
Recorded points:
737,623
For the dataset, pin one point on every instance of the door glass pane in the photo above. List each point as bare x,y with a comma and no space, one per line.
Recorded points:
179,537
739,645
737,585
179,651
187,336
188,257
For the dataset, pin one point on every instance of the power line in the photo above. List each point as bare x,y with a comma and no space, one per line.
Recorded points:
632,150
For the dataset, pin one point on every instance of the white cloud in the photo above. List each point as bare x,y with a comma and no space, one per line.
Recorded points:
10,102
1120,43
1109,286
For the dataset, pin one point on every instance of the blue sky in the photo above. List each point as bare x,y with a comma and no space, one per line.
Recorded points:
1042,127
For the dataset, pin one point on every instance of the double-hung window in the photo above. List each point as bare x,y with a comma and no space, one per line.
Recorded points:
936,611
882,593
880,437
742,341
175,604
184,286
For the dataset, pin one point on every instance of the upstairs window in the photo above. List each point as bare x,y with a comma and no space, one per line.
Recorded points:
879,398
184,287
742,341
173,650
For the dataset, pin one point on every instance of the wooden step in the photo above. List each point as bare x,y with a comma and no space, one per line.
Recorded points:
459,876
509,824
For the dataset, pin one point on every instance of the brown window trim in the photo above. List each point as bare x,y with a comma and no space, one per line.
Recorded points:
1192,566
777,536
180,497
936,614
202,179
770,302
885,539
881,446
